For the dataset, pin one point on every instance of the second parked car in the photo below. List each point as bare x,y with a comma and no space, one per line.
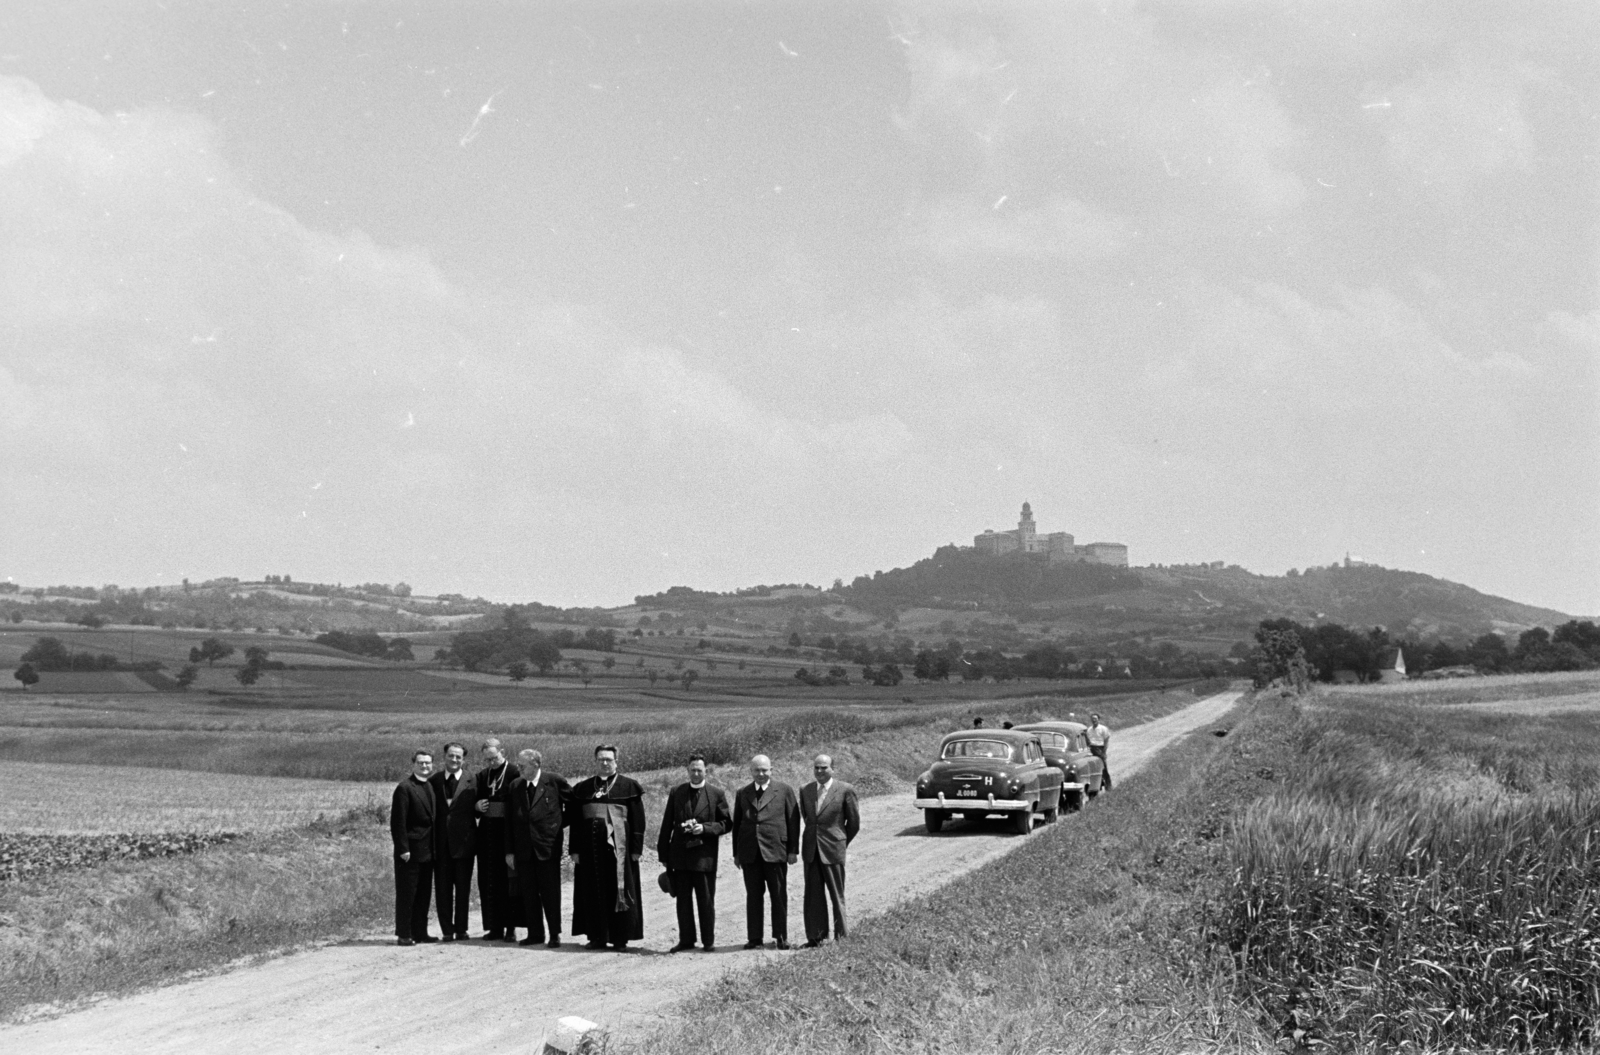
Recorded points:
1066,748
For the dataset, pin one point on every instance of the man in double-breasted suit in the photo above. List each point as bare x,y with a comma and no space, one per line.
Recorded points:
536,809
455,843
766,841
697,814
411,813
832,816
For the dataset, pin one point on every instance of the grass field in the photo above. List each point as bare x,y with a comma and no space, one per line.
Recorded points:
53,798
125,925
1427,877
336,735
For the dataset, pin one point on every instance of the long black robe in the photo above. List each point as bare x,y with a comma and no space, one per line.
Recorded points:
600,909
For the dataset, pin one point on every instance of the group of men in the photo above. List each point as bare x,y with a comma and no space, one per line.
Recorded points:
507,821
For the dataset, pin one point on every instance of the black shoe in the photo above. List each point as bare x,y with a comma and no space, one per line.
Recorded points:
682,946
404,941
709,948
494,935
752,945
620,946
509,935
554,943
531,940
813,945
426,939
463,936
597,945
783,945
449,936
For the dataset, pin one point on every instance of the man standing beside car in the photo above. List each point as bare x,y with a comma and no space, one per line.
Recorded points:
1099,739
832,817
696,816
455,842
766,841
411,813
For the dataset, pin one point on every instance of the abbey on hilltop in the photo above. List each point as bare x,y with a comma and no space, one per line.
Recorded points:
1057,545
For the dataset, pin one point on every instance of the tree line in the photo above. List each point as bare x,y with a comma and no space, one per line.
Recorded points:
1295,653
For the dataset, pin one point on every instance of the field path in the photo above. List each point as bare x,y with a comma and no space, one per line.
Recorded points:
476,996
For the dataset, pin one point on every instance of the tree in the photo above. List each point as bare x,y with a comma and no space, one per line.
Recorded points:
211,650
400,650
518,671
794,640
444,657
888,674
689,677
608,663
247,674
544,654
255,656
1280,656
27,675
92,620
186,676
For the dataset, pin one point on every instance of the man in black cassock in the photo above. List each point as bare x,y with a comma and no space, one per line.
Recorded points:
607,841
491,787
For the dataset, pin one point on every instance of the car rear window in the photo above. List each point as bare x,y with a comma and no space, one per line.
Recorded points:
1054,740
977,749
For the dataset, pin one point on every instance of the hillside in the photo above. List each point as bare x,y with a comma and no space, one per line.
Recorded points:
1192,599
1011,602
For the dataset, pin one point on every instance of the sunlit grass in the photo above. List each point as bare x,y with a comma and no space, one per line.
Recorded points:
1428,878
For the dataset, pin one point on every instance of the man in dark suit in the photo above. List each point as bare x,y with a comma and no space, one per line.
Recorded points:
766,841
832,815
411,814
455,843
490,787
535,813
697,814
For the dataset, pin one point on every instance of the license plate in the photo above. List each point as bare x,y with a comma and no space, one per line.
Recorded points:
967,793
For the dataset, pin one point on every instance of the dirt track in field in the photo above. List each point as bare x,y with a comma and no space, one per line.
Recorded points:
369,995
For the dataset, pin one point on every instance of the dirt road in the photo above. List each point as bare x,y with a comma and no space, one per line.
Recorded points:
475,996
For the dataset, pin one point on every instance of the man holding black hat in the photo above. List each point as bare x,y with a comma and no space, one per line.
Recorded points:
696,815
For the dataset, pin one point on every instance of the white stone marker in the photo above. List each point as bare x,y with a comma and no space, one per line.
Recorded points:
571,1036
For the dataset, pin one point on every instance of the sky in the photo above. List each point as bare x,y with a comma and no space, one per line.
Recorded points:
571,302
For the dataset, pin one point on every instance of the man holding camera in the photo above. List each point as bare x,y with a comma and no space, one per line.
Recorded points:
696,815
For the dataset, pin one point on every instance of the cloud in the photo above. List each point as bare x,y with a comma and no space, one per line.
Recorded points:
1097,105
964,229
178,349
1454,126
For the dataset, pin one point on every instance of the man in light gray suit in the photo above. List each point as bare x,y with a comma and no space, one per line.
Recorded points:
832,816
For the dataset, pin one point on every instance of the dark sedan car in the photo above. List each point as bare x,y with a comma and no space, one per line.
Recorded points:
1066,749
989,771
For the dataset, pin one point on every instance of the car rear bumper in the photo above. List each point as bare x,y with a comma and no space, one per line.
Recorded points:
1070,786
987,804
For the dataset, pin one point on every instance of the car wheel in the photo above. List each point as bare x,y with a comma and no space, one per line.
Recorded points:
1050,815
934,819
1024,822
1094,789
